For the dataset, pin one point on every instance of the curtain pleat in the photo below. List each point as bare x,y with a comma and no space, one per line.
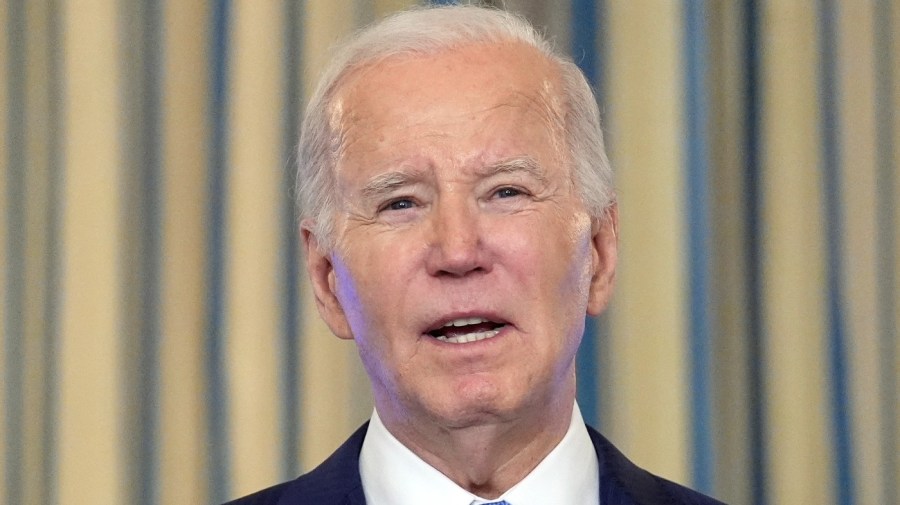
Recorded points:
160,341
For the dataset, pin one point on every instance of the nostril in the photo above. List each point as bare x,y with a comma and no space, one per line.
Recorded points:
456,273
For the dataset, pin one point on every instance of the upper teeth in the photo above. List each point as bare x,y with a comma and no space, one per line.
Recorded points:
465,321
468,337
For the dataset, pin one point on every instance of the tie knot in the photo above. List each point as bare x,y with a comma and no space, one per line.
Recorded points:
501,502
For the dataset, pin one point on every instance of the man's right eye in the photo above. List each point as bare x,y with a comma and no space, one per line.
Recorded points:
401,204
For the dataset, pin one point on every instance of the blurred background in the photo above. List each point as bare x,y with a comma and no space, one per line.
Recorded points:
160,345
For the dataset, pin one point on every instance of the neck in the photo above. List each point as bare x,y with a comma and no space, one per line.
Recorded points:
488,458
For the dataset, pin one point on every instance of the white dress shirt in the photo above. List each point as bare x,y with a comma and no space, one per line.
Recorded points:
393,475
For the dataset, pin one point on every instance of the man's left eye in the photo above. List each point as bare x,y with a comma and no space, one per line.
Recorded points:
507,192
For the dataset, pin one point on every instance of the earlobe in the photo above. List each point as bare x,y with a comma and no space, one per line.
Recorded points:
605,245
320,268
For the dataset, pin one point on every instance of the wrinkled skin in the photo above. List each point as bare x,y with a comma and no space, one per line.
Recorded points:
455,199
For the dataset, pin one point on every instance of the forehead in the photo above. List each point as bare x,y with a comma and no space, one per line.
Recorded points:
474,68
478,97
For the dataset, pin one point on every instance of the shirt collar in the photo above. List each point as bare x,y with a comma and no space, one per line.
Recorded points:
393,475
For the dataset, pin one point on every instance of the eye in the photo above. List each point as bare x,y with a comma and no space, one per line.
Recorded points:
399,204
507,192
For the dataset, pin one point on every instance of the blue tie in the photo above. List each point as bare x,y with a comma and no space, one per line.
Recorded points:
501,502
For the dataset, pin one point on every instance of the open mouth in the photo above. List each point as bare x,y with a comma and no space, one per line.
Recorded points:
466,329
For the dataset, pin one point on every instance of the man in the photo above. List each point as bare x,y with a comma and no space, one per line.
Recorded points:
459,221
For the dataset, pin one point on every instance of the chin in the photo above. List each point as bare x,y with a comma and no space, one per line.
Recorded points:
473,403
469,416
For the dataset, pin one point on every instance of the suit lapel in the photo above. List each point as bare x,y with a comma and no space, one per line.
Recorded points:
335,482
355,497
621,481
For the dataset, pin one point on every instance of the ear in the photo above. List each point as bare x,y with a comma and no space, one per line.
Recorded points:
605,244
320,268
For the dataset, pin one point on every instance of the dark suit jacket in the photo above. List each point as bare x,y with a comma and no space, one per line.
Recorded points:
336,481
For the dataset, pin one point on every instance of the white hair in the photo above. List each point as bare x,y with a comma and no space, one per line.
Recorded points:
429,30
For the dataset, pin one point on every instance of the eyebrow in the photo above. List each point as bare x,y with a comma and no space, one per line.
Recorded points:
389,181
516,165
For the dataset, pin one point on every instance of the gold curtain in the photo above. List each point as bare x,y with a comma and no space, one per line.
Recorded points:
160,344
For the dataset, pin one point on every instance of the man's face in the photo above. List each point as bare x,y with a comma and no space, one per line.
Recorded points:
464,259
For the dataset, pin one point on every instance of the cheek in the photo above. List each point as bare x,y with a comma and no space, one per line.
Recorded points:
354,293
371,287
579,270
562,270
575,254
348,295
556,255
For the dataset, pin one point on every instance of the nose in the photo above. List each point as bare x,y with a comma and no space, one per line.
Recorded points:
455,245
